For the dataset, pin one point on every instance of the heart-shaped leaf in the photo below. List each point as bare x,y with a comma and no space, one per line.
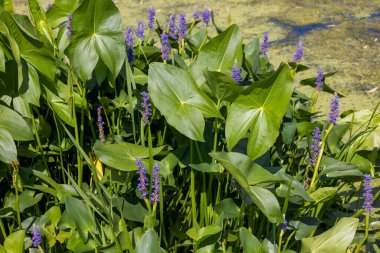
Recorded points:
180,100
122,156
219,54
96,32
260,112
336,239
239,165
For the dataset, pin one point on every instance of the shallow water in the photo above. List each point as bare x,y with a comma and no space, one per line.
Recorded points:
341,36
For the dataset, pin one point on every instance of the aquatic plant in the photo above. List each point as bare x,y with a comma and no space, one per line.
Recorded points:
210,146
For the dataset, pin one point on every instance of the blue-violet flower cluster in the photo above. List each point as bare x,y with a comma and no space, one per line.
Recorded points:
130,42
206,16
36,236
156,184
196,14
100,123
334,109
140,30
315,146
319,80
143,179
368,197
172,26
236,71
297,57
151,17
283,225
146,106
265,46
182,28
48,6
165,46
69,30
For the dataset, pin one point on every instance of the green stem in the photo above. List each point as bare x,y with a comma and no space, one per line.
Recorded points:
15,175
316,168
127,238
3,232
288,240
365,233
192,188
39,144
280,241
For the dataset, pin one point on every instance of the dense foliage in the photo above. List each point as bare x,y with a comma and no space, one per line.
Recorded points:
167,139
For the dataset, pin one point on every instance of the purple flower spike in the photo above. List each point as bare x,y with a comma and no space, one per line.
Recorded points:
315,146
48,6
68,26
165,46
334,109
297,57
36,236
368,197
196,14
156,184
182,28
129,41
143,179
264,48
206,16
140,30
146,106
172,26
100,124
283,225
236,71
151,17
319,80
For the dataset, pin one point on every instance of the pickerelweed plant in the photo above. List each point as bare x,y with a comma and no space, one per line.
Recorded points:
166,138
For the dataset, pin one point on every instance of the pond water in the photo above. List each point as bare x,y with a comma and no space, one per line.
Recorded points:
341,36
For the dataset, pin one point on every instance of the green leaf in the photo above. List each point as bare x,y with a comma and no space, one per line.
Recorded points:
304,226
76,244
97,32
148,242
260,112
14,243
8,150
222,86
249,242
39,18
323,194
37,53
28,199
122,156
180,100
78,212
206,235
15,124
228,208
2,59
335,168
207,168
239,165
325,88
336,239
59,11
252,57
219,54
